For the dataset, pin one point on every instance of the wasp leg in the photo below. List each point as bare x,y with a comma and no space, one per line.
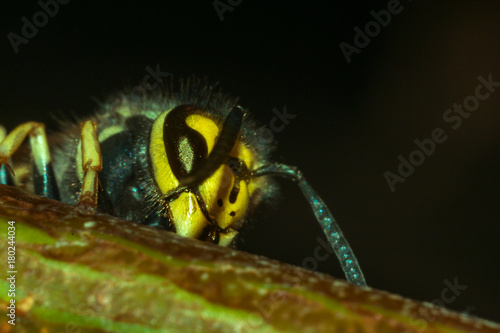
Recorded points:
4,175
43,174
91,165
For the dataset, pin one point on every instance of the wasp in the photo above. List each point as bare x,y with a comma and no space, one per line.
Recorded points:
187,159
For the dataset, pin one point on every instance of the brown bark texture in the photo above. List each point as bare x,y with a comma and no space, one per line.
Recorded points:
97,273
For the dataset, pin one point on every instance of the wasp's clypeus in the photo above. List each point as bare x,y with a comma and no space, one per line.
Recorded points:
187,159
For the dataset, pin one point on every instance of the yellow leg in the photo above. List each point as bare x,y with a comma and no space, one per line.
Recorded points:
3,172
38,141
91,165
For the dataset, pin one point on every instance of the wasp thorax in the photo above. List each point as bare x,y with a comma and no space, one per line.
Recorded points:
184,141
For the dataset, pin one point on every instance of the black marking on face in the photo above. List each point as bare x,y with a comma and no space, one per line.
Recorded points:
239,167
186,148
240,170
234,191
219,202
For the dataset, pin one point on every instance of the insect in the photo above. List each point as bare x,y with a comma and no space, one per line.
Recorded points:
187,159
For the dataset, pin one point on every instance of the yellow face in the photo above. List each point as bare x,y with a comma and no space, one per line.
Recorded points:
181,140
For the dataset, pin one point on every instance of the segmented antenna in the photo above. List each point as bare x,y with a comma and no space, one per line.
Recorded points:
330,227
225,142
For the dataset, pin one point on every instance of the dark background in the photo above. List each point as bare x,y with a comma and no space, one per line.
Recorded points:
352,120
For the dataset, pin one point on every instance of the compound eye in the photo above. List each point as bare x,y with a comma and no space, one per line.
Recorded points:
186,148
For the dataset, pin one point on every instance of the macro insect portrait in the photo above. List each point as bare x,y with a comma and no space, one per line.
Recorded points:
327,144
186,158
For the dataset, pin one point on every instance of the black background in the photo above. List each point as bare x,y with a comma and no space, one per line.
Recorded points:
352,120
